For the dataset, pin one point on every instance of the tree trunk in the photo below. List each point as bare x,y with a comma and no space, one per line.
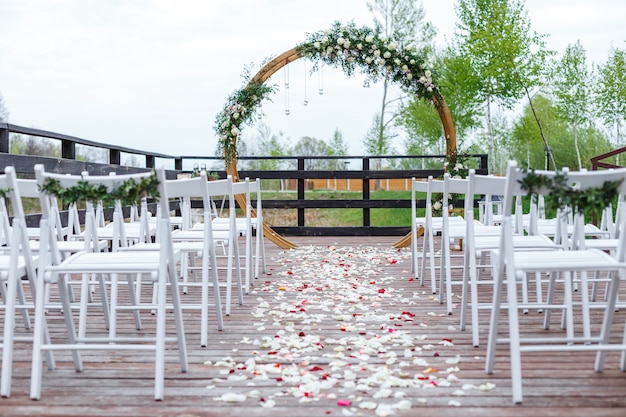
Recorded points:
492,150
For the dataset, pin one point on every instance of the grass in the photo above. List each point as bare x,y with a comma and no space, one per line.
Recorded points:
339,217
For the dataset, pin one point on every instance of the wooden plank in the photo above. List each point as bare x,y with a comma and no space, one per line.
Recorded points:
121,383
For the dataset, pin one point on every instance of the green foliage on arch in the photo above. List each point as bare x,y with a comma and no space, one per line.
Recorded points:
347,47
350,47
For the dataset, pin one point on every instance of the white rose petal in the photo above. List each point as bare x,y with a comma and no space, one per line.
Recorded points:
368,405
267,403
231,397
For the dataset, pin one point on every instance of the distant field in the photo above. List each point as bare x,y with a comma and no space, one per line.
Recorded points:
338,217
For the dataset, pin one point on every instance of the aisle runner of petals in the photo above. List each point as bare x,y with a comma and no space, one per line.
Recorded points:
369,357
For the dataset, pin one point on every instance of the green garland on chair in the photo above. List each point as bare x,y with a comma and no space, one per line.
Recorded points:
592,200
4,192
130,192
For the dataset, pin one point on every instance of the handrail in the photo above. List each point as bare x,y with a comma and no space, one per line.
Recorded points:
24,165
596,160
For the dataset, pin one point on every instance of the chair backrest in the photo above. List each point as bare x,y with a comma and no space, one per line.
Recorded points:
418,186
106,184
255,187
577,180
11,194
30,189
242,187
487,186
458,186
17,237
224,188
185,189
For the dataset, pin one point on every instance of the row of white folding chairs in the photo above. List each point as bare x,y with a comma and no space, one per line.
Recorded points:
247,226
53,268
453,230
162,262
478,240
573,264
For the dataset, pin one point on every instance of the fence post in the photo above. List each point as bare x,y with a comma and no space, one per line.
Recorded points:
4,140
68,149
300,193
115,157
366,191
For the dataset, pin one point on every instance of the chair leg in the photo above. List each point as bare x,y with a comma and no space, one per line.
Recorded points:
514,339
474,300
9,329
134,300
159,360
238,271
36,365
609,312
178,319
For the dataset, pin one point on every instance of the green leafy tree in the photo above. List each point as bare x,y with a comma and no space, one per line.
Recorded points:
421,121
422,125
35,146
570,81
611,93
337,147
309,146
4,112
268,144
404,21
507,59
527,146
377,146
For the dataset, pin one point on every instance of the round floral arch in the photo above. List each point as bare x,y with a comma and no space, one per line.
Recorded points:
343,46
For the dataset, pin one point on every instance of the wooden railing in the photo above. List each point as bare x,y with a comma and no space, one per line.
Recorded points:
176,165
597,161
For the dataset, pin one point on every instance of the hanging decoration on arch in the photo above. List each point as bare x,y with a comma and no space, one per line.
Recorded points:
349,48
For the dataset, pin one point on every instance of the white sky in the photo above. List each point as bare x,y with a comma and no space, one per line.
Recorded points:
153,74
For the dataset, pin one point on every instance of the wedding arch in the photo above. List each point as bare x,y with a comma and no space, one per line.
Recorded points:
344,46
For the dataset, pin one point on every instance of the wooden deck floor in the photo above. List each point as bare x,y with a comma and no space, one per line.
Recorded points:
312,335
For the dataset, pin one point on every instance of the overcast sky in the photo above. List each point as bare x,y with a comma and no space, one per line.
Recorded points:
153,74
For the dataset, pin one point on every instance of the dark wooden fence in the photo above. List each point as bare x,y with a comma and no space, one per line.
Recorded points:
69,162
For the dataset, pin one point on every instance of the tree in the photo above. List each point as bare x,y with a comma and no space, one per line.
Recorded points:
611,92
570,81
35,146
4,112
269,144
527,146
377,146
507,60
308,146
422,125
404,21
337,147
422,122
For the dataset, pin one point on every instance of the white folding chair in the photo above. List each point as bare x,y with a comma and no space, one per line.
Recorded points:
477,245
159,265
227,237
251,224
190,246
431,224
16,261
568,265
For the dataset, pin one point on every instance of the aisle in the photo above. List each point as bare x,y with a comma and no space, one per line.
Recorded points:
336,328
